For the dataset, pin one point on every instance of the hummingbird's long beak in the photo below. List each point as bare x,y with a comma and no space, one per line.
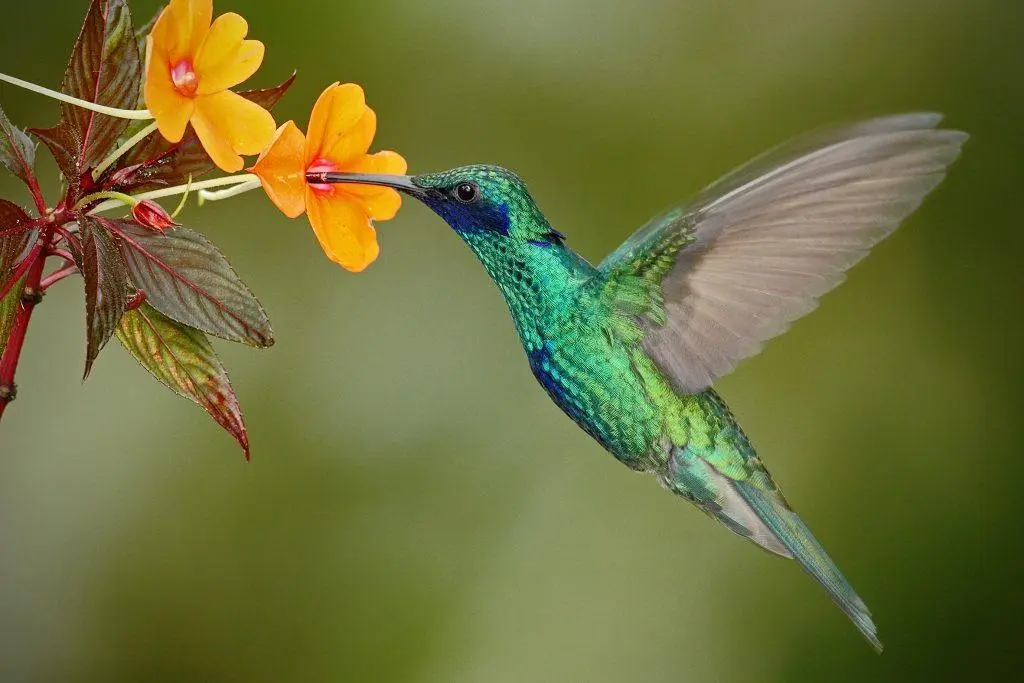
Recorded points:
402,183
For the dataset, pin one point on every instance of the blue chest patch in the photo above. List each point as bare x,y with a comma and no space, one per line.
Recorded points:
557,382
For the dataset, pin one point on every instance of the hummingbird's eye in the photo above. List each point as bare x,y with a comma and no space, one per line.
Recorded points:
467,192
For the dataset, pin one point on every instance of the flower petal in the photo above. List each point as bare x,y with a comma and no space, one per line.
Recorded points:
338,109
343,228
225,58
181,28
380,203
281,171
353,145
170,109
229,125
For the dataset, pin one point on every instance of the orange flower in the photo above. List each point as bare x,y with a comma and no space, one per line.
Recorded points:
190,64
341,129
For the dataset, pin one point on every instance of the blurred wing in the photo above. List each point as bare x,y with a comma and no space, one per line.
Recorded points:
755,250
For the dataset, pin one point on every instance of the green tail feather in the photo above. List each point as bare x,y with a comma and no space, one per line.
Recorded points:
806,550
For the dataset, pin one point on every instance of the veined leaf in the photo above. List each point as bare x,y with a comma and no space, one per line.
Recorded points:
64,149
8,310
106,286
11,246
159,162
104,68
17,152
183,359
186,278
143,31
269,97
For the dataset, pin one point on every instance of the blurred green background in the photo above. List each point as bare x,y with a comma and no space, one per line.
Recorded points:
416,509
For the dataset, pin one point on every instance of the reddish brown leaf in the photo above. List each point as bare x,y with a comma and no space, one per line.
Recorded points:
183,359
17,153
186,277
64,148
13,249
269,97
106,287
104,68
12,245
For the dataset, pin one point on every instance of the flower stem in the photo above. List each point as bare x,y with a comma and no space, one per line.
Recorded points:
122,150
217,195
139,114
30,296
178,189
184,198
120,198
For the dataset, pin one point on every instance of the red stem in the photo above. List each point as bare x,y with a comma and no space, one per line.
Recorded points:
56,276
19,271
64,254
37,195
31,294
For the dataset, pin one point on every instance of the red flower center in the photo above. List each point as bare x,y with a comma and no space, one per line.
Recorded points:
183,76
321,166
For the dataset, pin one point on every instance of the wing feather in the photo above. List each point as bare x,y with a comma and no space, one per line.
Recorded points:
754,251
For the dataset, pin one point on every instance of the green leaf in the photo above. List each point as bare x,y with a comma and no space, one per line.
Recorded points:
11,246
186,277
143,31
8,311
17,152
106,287
105,68
159,162
183,359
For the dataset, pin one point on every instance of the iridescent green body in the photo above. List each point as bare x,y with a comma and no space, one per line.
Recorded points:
629,349
585,353
577,326
580,328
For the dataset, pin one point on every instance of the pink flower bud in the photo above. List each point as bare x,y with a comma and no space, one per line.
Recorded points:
151,215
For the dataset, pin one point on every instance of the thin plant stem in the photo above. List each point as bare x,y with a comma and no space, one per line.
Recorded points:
184,198
137,114
119,197
62,253
122,150
217,195
56,276
66,234
179,189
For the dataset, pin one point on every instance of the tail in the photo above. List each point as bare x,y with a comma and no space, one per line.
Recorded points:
771,508
719,471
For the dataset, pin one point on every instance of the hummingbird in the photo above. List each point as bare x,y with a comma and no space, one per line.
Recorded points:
630,348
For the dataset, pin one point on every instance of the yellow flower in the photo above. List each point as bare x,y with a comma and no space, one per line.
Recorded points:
341,129
190,64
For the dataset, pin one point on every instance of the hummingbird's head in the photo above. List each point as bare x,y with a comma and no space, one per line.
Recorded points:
488,206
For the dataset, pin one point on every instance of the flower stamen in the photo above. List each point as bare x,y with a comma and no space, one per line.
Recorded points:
320,166
183,76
